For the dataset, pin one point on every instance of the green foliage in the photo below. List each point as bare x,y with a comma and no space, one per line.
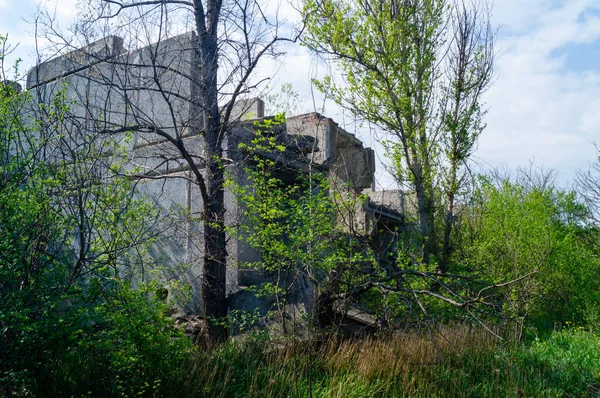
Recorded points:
293,223
284,101
511,231
119,343
381,49
570,358
76,316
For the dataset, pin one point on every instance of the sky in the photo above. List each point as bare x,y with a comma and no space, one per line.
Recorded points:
544,106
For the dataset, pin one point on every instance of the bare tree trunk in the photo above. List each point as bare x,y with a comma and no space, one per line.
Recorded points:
215,253
426,218
215,256
448,225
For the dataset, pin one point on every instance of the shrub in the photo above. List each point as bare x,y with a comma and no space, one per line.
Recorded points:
511,230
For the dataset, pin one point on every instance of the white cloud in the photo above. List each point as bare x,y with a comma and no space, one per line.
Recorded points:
65,9
514,16
537,109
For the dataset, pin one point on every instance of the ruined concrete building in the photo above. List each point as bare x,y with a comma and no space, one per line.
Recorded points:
112,88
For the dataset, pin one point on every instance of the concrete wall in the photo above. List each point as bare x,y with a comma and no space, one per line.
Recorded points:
354,164
110,88
322,129
154,88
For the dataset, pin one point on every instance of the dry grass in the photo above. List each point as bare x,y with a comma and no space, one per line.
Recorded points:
459,362
399,365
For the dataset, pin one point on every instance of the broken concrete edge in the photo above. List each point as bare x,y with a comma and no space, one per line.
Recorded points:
75,61
12,85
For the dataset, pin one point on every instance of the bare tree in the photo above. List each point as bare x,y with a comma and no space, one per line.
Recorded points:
469,74
588,185
176,92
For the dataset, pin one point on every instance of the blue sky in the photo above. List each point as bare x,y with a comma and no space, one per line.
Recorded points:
544,105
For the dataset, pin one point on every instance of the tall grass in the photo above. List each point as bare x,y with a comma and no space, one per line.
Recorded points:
459,362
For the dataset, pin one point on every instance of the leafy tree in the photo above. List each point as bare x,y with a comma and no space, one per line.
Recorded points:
588,184
416,70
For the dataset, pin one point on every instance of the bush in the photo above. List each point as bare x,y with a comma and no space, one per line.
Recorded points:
71,236
511,230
